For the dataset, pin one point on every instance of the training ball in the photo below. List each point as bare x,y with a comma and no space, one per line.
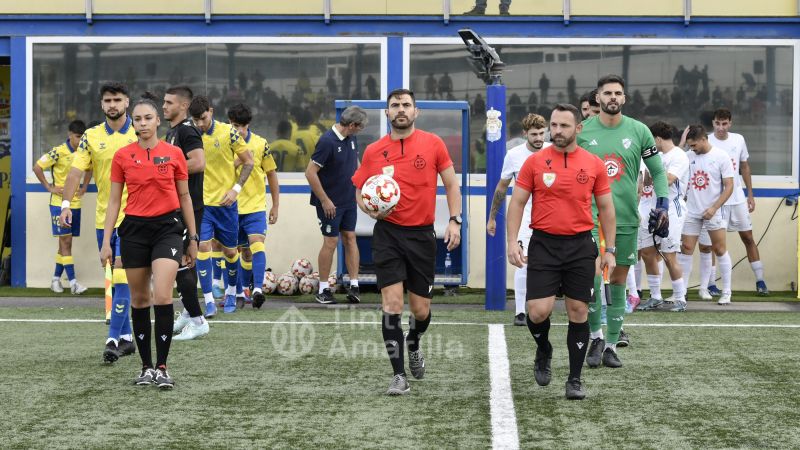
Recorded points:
301,268
287,284
314,275
270,283
308,285
332,282
380,193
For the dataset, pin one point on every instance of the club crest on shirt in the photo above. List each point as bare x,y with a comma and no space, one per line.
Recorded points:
388,170
626,143
699,180
582,177
548,178
419,162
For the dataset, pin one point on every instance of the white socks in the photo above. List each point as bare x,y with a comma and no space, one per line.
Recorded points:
678,290
725,267
520,289
654,283
686,266
758,270
633,281
705,270
322,286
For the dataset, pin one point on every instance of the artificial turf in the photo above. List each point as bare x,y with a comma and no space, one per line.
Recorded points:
296,384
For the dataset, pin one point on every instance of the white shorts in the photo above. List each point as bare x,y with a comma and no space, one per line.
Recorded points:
524,237
669,244
738,217
694,225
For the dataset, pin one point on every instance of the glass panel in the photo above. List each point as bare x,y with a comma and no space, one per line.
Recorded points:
294,82
678,84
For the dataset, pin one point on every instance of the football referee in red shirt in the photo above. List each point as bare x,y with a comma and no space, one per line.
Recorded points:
562,253
151,235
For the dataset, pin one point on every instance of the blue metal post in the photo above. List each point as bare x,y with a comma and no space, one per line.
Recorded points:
495,152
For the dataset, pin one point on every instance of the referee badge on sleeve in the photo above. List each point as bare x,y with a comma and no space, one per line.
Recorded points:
549,178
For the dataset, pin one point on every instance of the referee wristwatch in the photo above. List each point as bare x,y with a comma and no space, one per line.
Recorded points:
457,219
612,250
194,237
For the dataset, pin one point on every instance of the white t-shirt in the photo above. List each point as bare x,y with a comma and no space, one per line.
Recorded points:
705,179
737,150
512,163
677,163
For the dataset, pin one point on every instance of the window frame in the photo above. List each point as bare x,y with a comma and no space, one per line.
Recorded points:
759,181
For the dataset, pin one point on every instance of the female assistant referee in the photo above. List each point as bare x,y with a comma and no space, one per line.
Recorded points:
158,205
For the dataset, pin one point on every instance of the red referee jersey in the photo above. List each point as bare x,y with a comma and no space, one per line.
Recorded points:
150,175
415,163
562,185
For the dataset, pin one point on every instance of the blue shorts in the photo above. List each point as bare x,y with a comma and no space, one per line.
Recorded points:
114,241
220,223
251,224
55,213
345,220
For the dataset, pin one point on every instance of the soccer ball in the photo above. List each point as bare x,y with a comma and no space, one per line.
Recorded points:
308,285
380,193
270,282
287,284
301,268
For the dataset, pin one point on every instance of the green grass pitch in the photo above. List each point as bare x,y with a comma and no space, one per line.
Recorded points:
300,384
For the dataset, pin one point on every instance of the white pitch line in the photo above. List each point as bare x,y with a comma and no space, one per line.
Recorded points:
333,322
501,401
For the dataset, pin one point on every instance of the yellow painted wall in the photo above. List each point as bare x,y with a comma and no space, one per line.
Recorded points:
730,8
775,8
629,8
43,7
267,7
296,235
148,7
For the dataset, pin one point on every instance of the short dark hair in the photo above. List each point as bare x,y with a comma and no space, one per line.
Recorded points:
593,98
199,106
723,114
696,132
611,78
284,129
113,87
77,127
399,93
576,113
240,114
181,90
661,129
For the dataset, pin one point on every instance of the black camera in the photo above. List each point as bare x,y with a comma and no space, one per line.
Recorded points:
484,59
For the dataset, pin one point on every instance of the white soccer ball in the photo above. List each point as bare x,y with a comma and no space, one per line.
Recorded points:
270,283
301,268
308,285
287,284
380,193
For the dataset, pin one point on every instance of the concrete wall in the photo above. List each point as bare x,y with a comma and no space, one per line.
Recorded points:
297,235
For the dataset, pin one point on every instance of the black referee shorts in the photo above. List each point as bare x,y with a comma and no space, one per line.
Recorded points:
561,264
405,254
145,239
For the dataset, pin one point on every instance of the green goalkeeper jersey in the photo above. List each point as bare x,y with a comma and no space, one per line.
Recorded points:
623,148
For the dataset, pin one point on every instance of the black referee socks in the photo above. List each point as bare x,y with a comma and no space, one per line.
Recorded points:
393,339
415,330
187,288
141,331
164,318
540,333
577,344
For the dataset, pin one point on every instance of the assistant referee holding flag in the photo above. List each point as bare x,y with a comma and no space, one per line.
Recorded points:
562,252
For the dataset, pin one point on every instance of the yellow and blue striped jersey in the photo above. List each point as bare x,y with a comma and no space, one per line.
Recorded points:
95,152
59,161
220,143
253,197
286,155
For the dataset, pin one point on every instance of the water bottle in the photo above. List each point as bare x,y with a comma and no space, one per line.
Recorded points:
448,263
